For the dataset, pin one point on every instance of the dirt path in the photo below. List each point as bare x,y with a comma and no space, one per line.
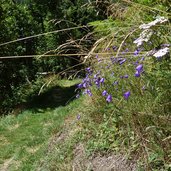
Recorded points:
95,162
98,162
6,164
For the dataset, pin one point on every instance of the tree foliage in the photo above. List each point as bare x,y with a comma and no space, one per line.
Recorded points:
23,18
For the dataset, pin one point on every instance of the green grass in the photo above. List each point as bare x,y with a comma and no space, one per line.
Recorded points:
24,138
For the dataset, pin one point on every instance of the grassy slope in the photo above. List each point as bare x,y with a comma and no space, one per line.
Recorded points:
30,140
24,139
34,141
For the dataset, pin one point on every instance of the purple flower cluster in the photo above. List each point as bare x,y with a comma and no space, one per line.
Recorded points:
86,83
117,77
119,60
98,80
87,91
118,80
108,96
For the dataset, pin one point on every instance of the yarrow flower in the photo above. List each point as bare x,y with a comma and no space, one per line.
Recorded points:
109,98
126,95
153,23
147,31
161,52
144,37
165,45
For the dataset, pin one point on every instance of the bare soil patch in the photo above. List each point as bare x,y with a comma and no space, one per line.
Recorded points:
98,162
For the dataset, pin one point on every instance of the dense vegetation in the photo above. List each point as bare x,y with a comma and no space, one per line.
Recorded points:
28,19
129,84
124,102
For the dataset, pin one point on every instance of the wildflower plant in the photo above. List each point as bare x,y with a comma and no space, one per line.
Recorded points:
131,65
133,82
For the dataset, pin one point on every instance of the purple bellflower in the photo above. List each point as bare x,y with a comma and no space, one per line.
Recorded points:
109,98
125,76
88,91
139,68
123,61
80,85
126,95
88,69
136,52
137,74
102,80
115,83
104,93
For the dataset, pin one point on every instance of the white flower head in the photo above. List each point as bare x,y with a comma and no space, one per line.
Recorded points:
153,23
161,52
144,37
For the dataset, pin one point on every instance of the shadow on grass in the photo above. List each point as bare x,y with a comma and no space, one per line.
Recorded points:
54,97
